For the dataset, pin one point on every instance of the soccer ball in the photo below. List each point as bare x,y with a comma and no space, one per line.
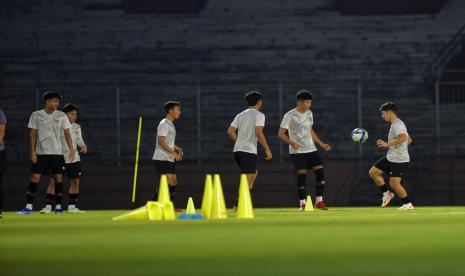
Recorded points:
359,135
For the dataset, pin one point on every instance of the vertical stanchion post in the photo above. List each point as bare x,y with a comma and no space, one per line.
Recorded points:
136,166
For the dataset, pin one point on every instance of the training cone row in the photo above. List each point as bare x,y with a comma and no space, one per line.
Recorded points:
162,209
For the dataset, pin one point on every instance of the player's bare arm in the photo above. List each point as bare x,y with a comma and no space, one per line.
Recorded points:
162,143
262,141
69,142
402,138
317,139
232,133
32,144
283,136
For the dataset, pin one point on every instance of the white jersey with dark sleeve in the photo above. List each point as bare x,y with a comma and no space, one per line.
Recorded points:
299,127
49,131
398,153
165,129
246,122
76,136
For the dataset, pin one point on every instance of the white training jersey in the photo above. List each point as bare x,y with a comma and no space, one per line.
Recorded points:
399,152
245,122
49,131
299,127
76,136
166,129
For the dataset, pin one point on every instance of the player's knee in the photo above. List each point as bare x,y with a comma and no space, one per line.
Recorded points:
373,173
320,176
301,172
35,178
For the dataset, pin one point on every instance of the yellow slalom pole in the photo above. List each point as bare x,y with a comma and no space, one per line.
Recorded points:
136,167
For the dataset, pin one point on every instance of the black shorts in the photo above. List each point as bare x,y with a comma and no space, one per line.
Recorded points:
165,167
73,170
2,161
48,164
306,161
391,168
246,161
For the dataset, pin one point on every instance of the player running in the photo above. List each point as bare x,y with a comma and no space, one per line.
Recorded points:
47,126
395,163
245,130
73,168
166,151
301,139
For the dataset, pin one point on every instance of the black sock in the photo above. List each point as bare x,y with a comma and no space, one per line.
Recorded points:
172,192
73,199
383,188
320,182
31,192
49,199
301,179
58,193
405,200
1,194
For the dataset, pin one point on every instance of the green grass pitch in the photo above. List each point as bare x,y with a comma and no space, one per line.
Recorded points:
341,241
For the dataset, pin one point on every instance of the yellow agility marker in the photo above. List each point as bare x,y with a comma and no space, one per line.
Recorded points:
309,205
163,190
218,205
190,210
168,211
137,214
244,207
136,167
154,210
207,197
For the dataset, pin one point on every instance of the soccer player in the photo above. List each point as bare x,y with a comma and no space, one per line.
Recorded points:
47,126
2,156
245,130
167,153
395,163
301,139
73,168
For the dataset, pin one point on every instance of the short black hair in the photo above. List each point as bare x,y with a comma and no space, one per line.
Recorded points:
389,106
51,95
69,107
253,97
303,95
169,105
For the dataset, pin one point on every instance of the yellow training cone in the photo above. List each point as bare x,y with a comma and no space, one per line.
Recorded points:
155,211
207,197
163,190
309,205
168,211
190,210
137,214
244,207
218,205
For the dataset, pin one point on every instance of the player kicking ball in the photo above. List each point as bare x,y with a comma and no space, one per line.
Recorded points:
395,163
245,130
166,151
73,168
47,126
301,139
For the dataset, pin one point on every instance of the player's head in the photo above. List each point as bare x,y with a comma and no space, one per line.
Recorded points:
254,98
304,99
71,111
173,109
388,111
52,100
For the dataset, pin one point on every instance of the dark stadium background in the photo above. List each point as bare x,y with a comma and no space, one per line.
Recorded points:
121,59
